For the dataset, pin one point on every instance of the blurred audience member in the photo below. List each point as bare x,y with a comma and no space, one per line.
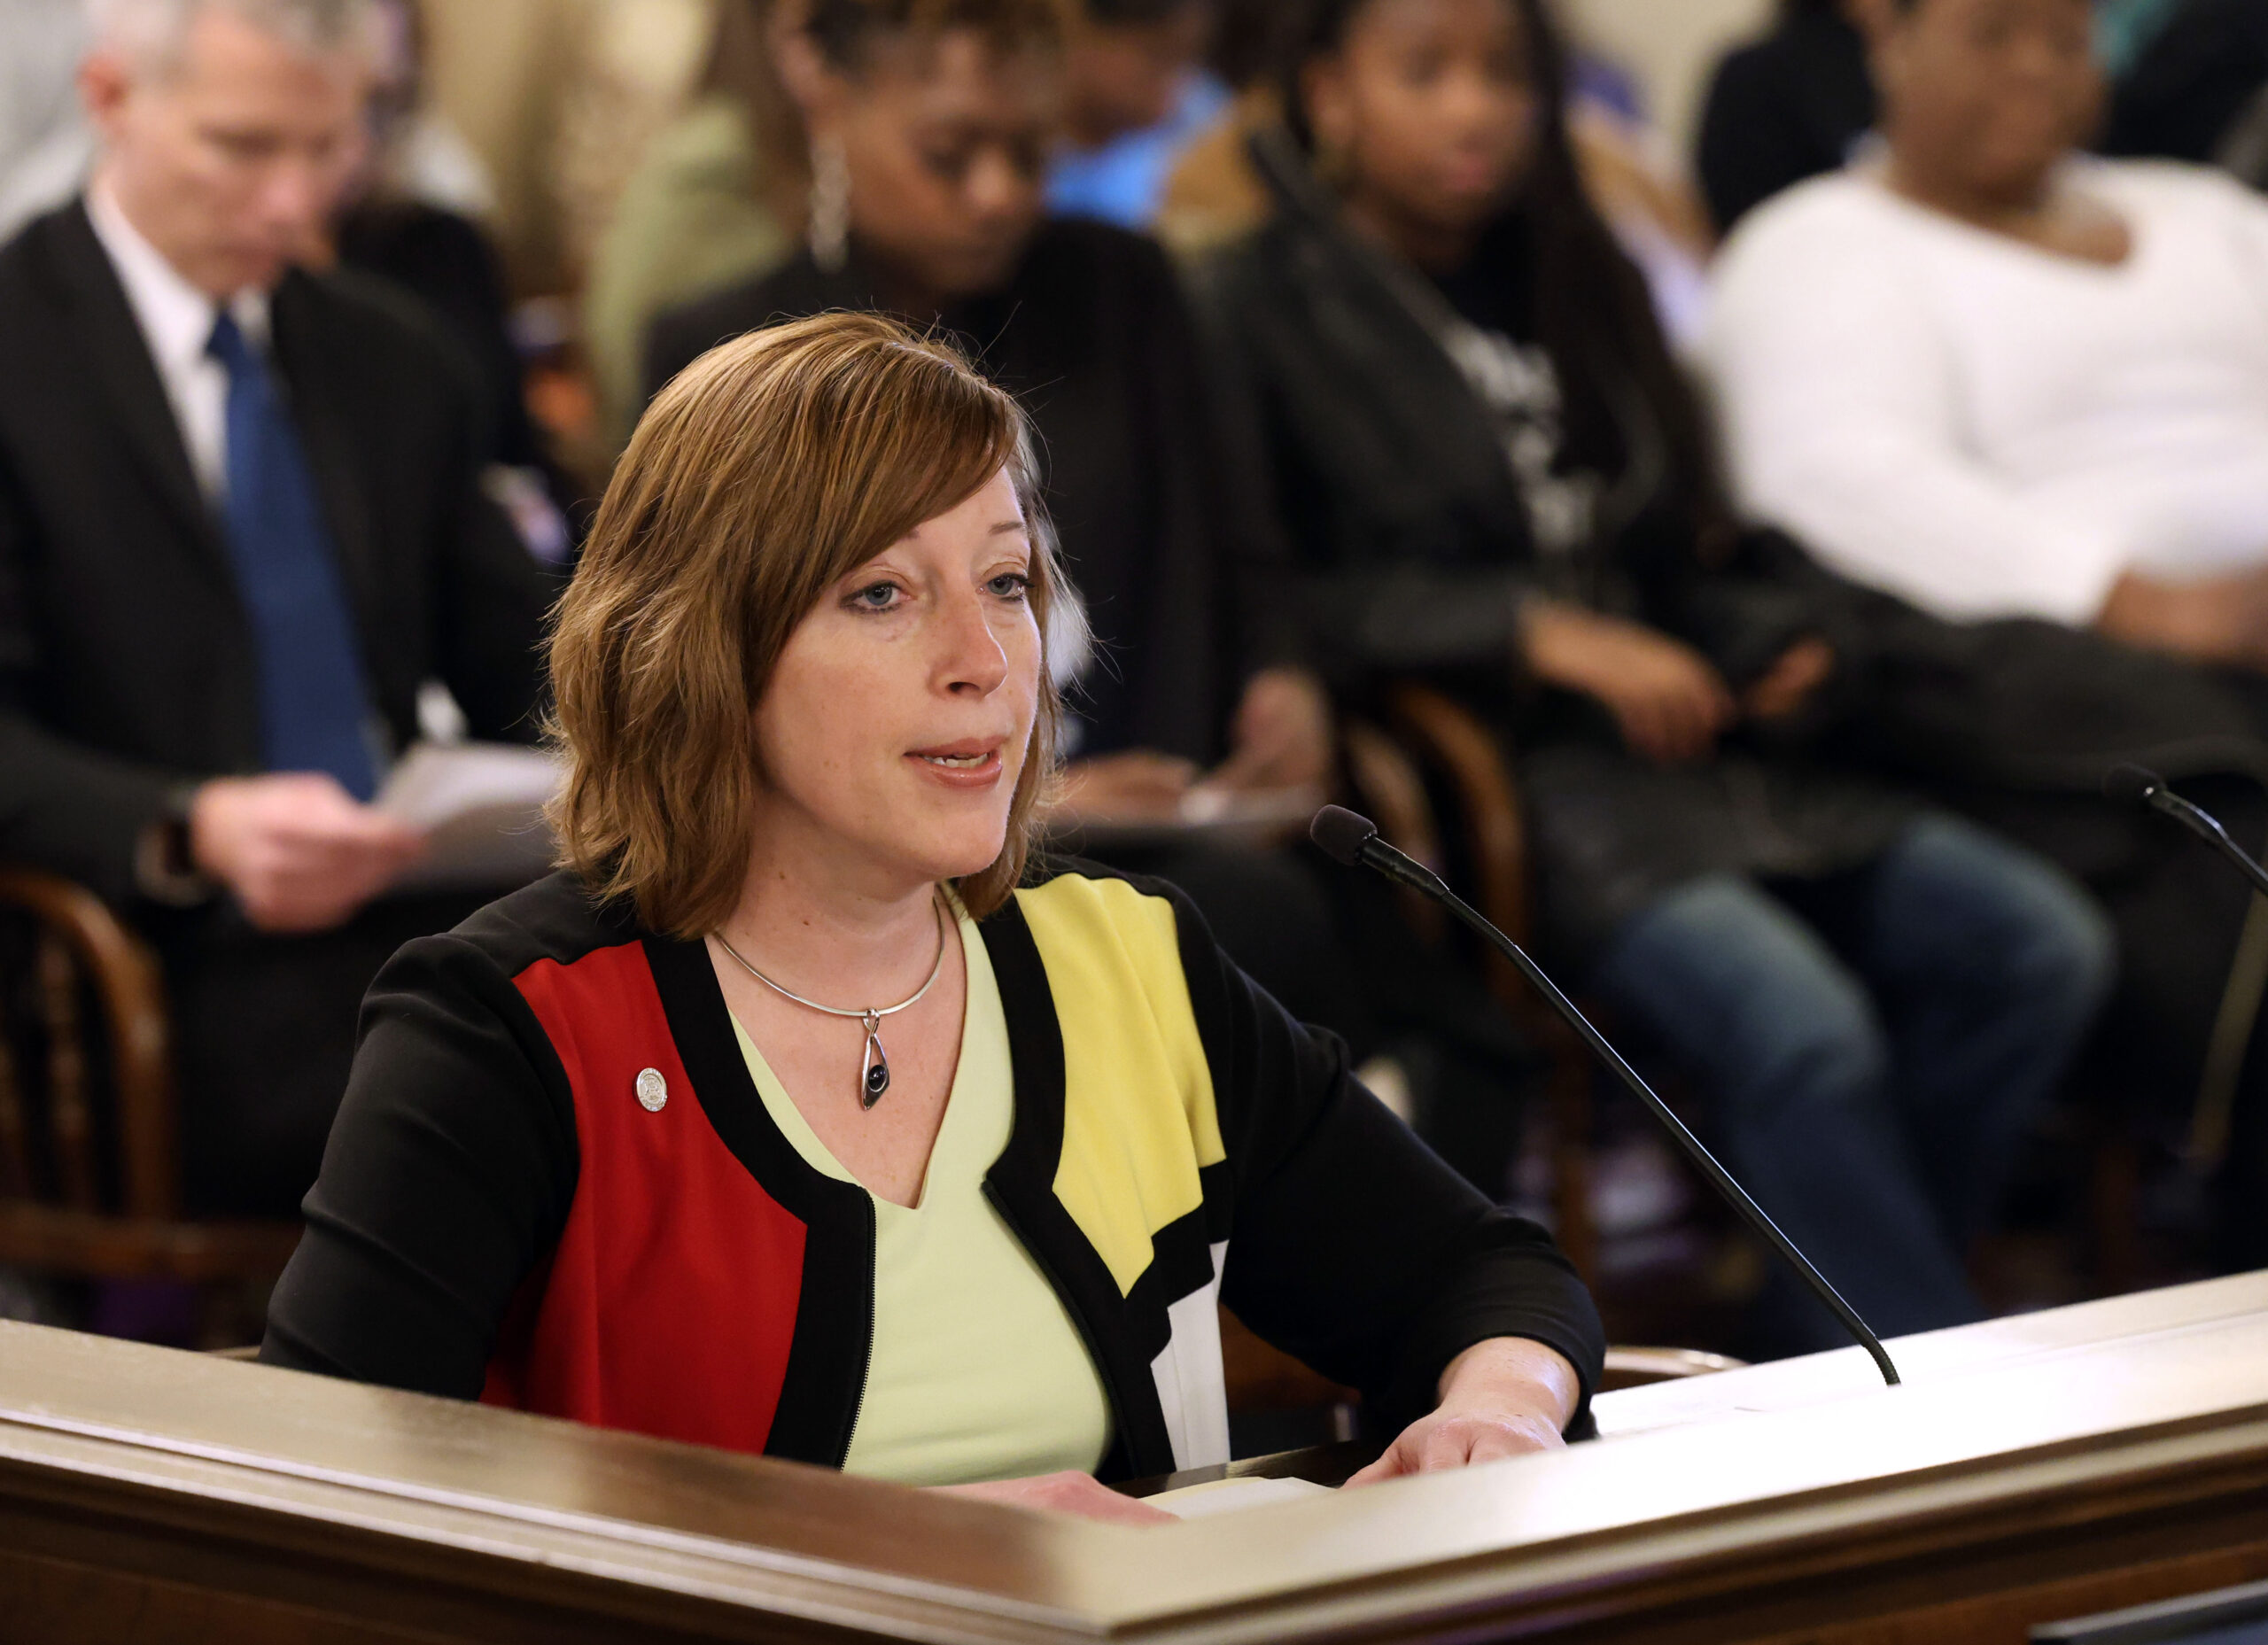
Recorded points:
1787,107
1215,195
240,526
410,218
721,194
717,200
44,144
930,130
2000,379
1135,97
2198,90
1499,481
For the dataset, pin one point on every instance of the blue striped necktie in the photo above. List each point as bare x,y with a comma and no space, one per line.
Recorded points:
315,711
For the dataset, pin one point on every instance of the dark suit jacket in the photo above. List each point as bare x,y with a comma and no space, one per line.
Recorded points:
126,665
125,656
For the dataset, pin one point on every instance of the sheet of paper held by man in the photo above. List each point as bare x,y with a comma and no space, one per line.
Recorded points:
481,805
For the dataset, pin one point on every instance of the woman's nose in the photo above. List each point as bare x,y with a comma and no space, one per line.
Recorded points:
996,188
973,657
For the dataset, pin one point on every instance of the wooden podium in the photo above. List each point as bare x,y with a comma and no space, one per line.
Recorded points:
2031,1470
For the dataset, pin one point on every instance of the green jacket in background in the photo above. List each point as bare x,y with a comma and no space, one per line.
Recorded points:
689,221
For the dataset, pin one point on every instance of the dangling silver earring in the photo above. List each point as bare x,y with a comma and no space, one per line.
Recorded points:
829,231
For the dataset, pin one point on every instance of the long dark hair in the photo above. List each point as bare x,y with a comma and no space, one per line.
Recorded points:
1593,312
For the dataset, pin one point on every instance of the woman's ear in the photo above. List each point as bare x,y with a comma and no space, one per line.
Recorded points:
811,80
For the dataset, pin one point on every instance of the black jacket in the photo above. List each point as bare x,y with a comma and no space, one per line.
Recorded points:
1148,475
1416,558
125,658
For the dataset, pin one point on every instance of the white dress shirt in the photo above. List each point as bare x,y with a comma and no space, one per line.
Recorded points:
1988,429
177,321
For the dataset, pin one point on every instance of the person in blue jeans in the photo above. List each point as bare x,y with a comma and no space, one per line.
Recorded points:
1872,1044
1497,479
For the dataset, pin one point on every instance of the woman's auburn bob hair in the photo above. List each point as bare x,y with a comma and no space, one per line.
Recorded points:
767,470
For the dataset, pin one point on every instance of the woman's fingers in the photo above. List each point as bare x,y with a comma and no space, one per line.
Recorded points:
1447,1439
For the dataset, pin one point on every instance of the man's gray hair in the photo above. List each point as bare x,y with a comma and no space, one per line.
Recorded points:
152,32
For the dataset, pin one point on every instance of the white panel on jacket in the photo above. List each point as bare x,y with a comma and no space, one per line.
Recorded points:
1192,1386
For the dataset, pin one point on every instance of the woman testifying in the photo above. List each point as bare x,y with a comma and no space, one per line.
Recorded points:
801,1112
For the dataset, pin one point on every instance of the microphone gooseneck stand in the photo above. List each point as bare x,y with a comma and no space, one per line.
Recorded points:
1353,840
2140,785
2212,1117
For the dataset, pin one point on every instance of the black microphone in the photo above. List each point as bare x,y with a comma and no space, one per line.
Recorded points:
2139,784
1353,840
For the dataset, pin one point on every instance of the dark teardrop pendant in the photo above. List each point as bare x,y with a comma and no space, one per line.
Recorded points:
874,1077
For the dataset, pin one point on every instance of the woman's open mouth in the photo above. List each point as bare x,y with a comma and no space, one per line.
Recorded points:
974,763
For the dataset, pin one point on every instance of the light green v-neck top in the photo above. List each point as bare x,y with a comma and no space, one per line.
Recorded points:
977,1370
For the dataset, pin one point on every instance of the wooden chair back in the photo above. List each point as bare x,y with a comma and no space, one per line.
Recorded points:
87,1027
1431,732
89,1141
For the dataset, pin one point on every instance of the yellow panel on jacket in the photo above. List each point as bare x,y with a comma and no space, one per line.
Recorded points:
1138,1116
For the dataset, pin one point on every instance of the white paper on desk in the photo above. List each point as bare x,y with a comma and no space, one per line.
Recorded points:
481,805
1229,1496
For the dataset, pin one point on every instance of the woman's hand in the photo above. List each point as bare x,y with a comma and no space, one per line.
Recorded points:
1670,703
1281,736
1138,786
2221,619
1067,1493
1787,683
1501,1398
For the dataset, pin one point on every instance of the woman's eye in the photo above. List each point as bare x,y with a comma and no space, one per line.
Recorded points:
1010,586
875,597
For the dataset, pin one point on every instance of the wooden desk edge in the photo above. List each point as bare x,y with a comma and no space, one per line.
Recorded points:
627,1571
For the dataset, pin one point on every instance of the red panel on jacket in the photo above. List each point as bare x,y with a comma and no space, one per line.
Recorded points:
670,1303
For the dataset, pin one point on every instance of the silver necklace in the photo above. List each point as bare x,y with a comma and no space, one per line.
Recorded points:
874,1070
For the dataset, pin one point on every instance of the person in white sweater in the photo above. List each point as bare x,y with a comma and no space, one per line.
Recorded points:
1998,379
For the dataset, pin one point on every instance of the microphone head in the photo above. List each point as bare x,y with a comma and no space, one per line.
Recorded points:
1341,834
2131,784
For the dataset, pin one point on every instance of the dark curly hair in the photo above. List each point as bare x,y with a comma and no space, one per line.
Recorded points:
846,30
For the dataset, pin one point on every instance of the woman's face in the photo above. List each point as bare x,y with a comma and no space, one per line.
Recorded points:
947,142
1982,98
899,715
1429,108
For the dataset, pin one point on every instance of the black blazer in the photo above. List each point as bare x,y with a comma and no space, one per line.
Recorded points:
125,657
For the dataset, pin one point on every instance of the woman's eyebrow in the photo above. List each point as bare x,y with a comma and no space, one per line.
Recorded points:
1006,526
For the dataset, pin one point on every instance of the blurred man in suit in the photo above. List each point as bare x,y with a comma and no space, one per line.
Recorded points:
241,525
